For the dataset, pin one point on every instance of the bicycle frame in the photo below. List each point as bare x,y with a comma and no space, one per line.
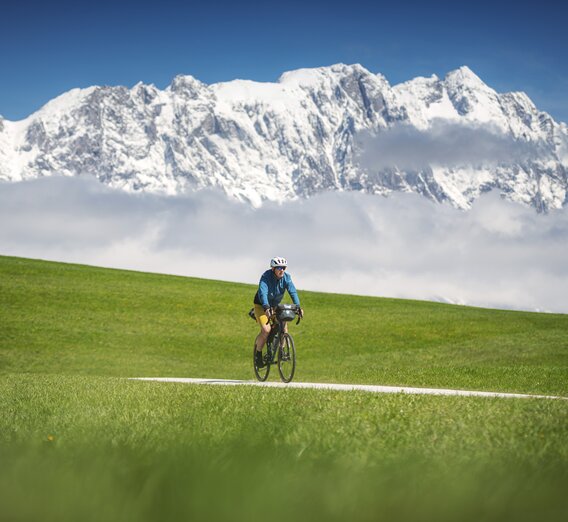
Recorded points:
273,341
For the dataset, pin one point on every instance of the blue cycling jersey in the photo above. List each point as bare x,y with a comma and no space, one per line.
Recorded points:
271,289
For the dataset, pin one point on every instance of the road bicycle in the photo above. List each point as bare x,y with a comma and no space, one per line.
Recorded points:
279,348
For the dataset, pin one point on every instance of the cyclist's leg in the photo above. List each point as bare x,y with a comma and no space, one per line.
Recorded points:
262,337
262,320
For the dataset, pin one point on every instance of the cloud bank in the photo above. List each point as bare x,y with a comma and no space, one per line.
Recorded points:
447,144
498,254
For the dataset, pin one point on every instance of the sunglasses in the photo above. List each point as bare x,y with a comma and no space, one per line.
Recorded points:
280,267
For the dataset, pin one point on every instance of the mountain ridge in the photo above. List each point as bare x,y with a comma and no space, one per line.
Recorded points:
311,131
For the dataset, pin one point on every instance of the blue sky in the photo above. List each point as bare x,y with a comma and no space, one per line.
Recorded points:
48,48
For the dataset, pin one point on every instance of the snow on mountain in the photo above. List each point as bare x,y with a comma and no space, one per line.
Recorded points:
314,130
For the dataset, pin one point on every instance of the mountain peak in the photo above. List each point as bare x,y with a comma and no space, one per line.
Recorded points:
65,102
464,75
427,81
186,83
313,76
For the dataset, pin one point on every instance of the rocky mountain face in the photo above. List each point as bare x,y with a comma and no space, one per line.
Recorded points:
332,128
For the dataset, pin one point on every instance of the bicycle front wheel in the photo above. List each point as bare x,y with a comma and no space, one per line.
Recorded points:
287,358
260,372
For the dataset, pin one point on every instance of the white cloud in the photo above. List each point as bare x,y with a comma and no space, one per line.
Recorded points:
449,144
499,254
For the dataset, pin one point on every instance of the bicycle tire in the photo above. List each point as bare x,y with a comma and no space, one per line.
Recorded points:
261,373
287,358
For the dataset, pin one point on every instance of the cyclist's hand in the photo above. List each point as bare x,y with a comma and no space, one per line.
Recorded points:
268,313
301,313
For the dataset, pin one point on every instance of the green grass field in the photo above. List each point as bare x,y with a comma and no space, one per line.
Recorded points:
80,442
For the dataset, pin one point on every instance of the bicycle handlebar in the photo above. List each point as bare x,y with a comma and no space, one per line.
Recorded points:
296,311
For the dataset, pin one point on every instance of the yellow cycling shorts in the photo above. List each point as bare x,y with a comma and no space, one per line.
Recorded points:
260,315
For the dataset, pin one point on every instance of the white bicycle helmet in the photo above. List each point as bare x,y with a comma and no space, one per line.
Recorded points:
278,261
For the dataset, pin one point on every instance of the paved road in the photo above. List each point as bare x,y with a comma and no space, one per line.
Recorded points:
347,387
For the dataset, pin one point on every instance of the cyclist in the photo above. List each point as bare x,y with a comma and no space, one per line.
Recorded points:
271,288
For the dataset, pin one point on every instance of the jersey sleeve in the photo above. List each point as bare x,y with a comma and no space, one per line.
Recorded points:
292,291
263,292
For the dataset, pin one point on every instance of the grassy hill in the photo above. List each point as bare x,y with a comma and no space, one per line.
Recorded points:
79,320
79,442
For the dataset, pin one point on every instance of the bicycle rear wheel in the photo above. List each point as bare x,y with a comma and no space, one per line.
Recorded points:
261,373
287,358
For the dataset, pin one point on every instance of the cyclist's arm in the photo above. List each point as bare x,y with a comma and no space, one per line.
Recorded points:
263,293
292,291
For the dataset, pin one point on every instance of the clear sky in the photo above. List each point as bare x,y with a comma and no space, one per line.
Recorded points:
47,48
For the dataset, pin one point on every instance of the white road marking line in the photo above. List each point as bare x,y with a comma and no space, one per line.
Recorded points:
347,387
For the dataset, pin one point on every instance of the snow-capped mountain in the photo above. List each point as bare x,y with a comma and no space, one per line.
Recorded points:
314,130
